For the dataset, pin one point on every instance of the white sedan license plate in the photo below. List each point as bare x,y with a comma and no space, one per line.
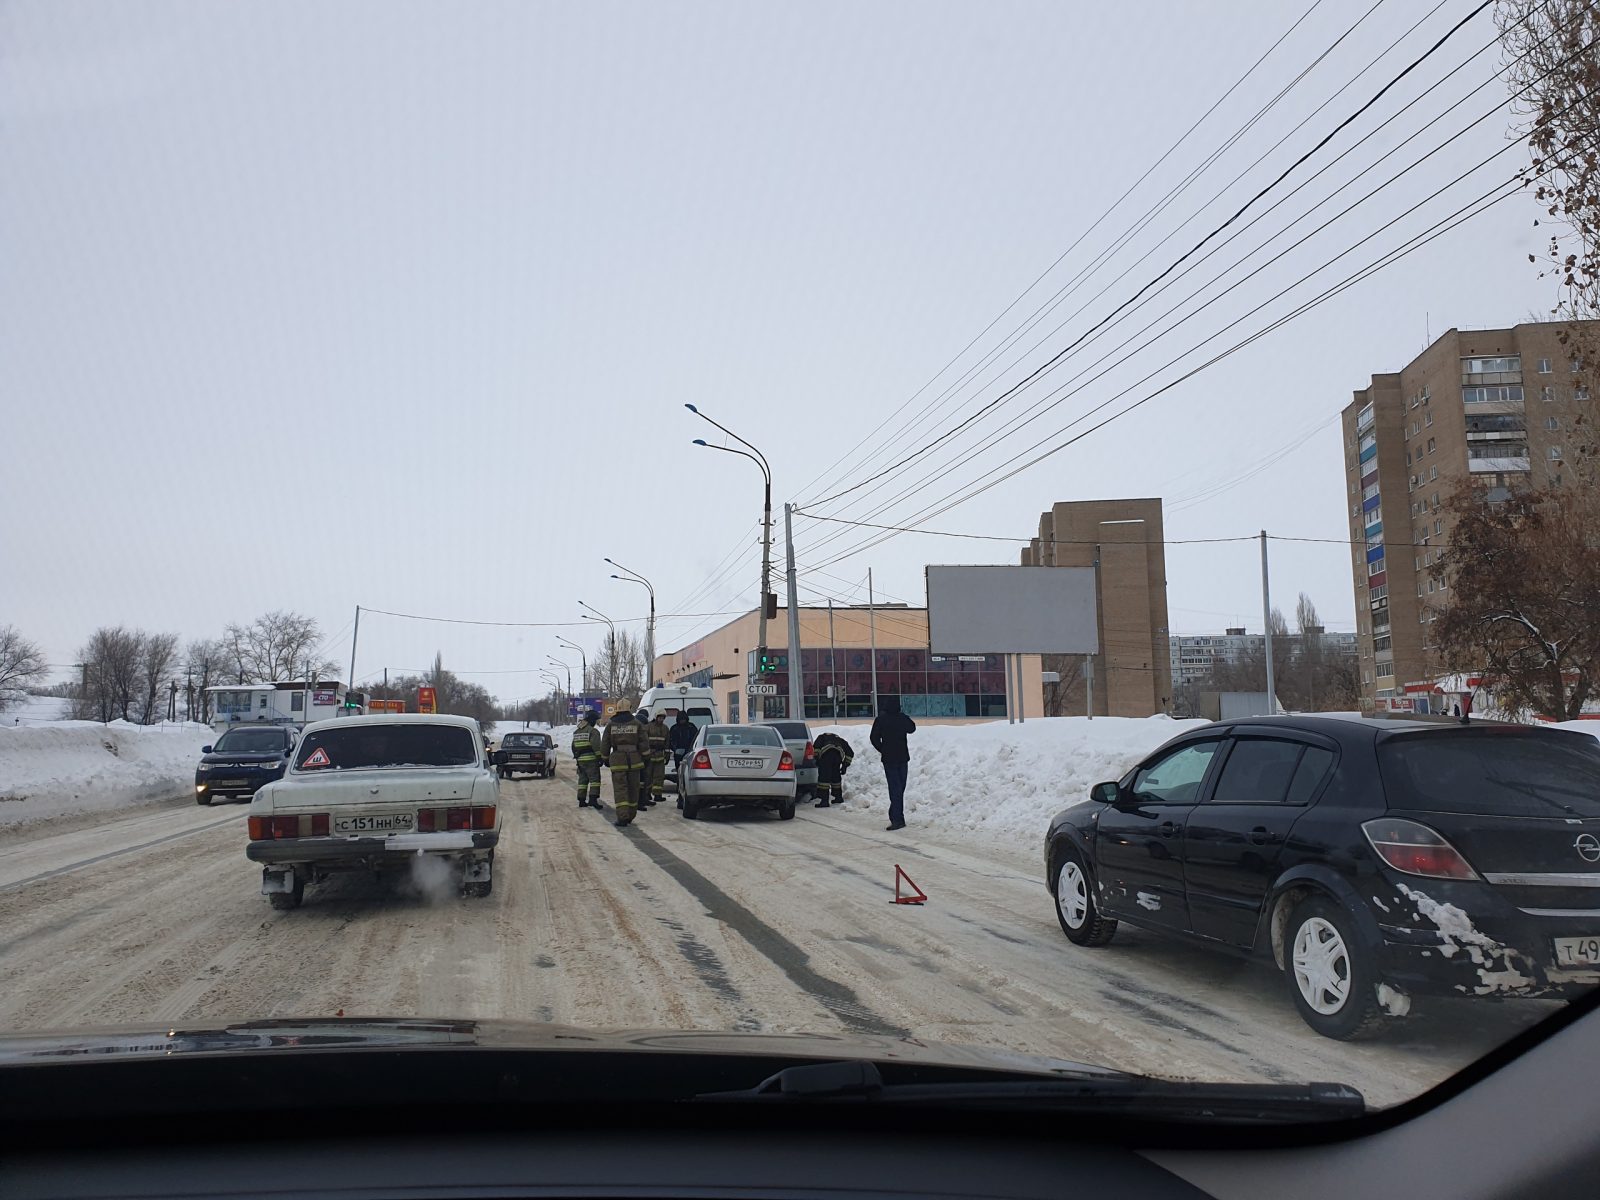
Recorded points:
1578,952
375,823
743,764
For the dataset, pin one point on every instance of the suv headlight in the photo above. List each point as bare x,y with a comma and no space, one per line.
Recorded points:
203,767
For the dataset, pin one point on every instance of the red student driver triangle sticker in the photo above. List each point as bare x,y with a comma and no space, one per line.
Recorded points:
319,758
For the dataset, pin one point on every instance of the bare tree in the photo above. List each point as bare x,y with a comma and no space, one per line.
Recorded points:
1069,697
160,655
206,661
619,669
1553,68
276,646
21,665
1521,598
112,660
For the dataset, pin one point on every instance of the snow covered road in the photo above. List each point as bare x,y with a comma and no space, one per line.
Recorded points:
736,921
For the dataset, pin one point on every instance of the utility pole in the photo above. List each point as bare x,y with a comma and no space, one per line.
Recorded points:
1266,626
350,683
872,636
1088,683
833,664
797,704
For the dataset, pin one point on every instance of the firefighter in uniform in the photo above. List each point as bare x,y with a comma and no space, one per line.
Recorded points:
834,757
586,758
623,746
656,772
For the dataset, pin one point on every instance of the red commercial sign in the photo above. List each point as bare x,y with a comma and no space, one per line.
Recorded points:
427,700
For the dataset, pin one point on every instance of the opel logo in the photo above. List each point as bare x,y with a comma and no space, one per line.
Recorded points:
1587,846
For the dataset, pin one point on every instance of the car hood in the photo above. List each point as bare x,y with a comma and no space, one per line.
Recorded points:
390,1033
243,756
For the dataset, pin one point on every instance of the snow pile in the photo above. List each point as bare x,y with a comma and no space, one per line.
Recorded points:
50,770
1001,779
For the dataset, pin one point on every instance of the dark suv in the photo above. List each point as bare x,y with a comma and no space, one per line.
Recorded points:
1370,858
242,760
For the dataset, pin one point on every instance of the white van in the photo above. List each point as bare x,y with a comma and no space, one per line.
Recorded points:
672,698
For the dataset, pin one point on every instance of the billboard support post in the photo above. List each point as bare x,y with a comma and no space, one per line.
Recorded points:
872,634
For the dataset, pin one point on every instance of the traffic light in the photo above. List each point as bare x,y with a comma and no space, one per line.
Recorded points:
354,700
769,662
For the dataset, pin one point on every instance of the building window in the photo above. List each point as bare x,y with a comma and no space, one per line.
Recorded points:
1408,458
1438,527
1575,366
1386,670
1544,368
1552,423
1580,392
1555,453
1366,677
1433,473
1547,394
1428,420
1490,366
1431,444
1435,500
1491,395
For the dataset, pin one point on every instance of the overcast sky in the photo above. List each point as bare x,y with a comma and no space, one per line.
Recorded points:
312,305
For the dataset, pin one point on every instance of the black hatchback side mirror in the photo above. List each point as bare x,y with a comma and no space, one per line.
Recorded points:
205,749
1105,793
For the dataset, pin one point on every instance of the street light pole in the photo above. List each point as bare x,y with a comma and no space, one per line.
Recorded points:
582,658
611,640
565,668
632,576
766,520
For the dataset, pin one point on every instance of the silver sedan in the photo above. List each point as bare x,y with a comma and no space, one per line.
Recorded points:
745,765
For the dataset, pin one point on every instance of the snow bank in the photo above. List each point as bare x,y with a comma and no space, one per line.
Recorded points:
50,770
1000,779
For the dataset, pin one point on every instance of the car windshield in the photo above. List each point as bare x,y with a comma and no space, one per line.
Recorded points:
741,735
1020,405
245,741
367,746
1493,773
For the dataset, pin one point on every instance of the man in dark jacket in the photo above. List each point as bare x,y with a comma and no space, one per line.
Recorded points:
680,740
890,728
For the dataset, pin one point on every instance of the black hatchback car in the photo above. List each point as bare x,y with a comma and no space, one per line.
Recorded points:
242,761
1371,859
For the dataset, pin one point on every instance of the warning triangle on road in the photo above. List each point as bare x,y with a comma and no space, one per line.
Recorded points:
917,896
319,758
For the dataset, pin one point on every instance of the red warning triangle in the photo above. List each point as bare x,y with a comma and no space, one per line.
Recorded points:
319,758
917,896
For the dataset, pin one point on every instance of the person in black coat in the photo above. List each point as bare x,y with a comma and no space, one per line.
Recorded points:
680,740
890,729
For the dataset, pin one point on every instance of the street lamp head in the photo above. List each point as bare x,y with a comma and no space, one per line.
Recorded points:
691,408
699,441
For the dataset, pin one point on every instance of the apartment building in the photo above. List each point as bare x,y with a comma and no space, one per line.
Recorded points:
1489,408
1124,540
1195,657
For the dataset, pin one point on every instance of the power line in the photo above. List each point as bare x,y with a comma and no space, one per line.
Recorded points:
1089,269
1460,216
1060,355
535,624
1073,387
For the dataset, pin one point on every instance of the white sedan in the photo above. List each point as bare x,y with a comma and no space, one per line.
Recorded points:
744,765
382,793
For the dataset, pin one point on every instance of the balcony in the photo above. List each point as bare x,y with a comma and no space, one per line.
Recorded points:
1491,466
1364,420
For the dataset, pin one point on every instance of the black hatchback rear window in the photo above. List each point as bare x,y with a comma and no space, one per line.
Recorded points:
1493,773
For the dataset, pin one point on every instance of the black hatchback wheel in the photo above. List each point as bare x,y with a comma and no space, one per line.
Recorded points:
1076,910
1330,971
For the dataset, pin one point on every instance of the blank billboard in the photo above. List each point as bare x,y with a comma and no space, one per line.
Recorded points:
1012,610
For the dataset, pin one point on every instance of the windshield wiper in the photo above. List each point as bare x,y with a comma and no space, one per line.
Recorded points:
1130,1095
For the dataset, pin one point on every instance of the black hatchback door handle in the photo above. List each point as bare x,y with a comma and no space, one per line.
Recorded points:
1167,828
1262,836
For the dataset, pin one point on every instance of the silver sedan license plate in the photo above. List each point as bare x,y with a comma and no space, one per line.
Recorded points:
1578,951
743,764
375,823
